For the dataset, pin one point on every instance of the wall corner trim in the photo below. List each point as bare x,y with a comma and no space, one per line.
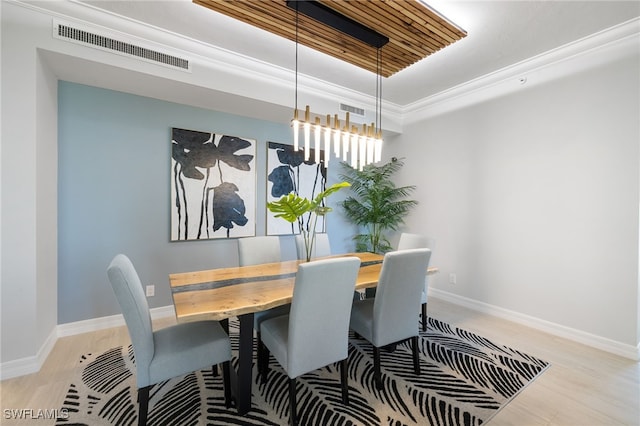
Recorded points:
31,364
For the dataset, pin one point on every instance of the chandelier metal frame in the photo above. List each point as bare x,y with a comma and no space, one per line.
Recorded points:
357,146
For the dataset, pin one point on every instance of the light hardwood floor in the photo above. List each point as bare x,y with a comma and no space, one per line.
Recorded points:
583,386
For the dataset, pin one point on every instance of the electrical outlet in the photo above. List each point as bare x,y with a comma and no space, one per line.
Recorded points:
151,290
452,278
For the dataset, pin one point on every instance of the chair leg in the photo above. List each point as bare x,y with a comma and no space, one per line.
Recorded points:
292,401
344,378
424,317
265,363
143,405
225,326
226,383
260,348
416,358
377,376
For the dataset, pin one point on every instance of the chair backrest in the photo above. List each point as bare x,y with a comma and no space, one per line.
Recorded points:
133,303
398,295
258,250
320,313
414,241
321,247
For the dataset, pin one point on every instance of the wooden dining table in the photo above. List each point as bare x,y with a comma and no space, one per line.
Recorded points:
220,294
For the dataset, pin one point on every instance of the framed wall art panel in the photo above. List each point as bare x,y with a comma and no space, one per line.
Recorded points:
213,186
287,171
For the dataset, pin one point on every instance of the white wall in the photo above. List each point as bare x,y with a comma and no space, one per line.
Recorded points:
28,239
533,199
46,170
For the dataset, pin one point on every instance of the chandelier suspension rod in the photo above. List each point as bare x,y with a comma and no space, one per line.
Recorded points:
296,89
379,89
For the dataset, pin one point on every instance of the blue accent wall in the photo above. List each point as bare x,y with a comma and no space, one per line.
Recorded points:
113,194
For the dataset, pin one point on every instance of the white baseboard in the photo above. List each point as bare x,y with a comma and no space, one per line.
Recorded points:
95,324
32,364
598,342
29,365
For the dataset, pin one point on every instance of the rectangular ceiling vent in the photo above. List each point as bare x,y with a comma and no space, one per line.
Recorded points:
69,33
352,110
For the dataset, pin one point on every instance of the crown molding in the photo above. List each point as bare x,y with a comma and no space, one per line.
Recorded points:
603,47
249,78
237,74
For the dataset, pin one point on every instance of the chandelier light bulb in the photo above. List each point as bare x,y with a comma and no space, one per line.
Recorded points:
378,148
317,140
307,134
354,148
327,141
362,145
336,135
345,138
359,148
296,130
371,144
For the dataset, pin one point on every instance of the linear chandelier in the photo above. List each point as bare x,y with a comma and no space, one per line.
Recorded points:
361,146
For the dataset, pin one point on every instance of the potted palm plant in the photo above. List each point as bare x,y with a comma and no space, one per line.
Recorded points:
377,204
292,207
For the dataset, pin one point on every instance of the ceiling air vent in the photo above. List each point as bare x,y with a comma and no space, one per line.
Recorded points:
352,110
69,33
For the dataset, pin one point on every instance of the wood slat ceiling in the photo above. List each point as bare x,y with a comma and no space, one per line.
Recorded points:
414,30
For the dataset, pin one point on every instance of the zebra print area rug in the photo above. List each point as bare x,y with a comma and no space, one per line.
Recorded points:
465,380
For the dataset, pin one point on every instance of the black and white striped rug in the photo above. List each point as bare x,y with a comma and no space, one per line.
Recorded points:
465,380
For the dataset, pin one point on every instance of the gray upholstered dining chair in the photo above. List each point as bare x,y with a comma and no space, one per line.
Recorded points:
258,250
320,248
316,331
255,251
389,318
412,241
169,352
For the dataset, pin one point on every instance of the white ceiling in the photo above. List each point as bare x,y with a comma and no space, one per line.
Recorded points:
500,34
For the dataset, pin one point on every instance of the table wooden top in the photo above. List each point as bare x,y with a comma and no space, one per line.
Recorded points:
216,294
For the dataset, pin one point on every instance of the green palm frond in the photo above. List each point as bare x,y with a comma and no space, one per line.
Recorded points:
291,206
376,203
330,190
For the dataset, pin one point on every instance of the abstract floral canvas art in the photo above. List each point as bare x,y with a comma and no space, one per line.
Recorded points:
287,171
213,185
